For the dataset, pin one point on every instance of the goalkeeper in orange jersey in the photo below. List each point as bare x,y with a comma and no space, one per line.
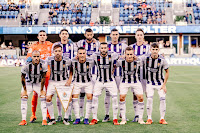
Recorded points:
44,47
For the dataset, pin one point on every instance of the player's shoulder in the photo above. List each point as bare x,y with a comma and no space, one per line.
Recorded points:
121,59
81,41
96,54
161,57
66,58
74,60
89,59
132,44
49,43
42,61
50,58
111,52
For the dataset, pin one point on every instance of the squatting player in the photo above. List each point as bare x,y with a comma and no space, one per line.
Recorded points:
36,74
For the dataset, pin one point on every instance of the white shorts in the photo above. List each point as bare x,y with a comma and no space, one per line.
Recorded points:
151,88
135,87
144,84
110,86
94,78
87,87
118,80
30,87
52,85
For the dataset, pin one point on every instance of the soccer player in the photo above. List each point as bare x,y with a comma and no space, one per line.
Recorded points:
59,76
130,79
154,65
69,50
118,47
91,45
82,79
45,50
140,48
105,61
36,73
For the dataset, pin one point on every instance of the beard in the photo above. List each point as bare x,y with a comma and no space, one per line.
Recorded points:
89,39
103,53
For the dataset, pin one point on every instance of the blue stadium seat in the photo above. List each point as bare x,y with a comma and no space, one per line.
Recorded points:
197,21
54,19
60,12
88,19
65,12
9,56
83,15
194,8
126,18
83,19
79,15
121,18
69,15
46,5
65,15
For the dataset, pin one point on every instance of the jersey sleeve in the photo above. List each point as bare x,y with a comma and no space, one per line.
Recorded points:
115,56
119,63
124,46
165,64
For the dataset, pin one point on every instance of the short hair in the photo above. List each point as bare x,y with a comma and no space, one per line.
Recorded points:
35,51
102,43
139,29
64,30
57,46
128,49
114,30
42,31
81,48
154,45
88,30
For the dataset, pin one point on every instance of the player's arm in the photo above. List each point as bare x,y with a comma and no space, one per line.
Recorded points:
166,68
70,77
42,92
23,81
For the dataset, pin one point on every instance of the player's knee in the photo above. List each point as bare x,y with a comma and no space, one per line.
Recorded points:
89,97
48,98
122,98
140,98
75,96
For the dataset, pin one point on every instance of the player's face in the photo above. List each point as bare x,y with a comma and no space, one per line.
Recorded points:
129,54
154,51
42,36
139,36
64,35
58,52
103,49
114,35
82,54
89,35
36,57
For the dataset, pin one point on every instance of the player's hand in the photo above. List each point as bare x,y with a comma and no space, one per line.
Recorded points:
76,57
164,88
135,57
42,94
94,40
24,94
68,83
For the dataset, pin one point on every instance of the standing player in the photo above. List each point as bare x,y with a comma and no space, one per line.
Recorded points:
118,47
69,50
154,65
45,50
105,60
139,49
36,73
82,79
91,45
130,79
59,74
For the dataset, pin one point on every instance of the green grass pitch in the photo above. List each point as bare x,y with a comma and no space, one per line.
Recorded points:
182,115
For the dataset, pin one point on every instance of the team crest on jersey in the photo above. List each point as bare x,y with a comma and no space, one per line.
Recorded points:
64,94
120,47
158,64
134,66
109,58
144,49
63,65
69,47
87,66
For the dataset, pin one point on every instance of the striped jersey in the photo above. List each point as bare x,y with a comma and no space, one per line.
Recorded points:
154,69
59,69
130,70
82,70
34,72
120,49
105,65
139,51
90,49
69,50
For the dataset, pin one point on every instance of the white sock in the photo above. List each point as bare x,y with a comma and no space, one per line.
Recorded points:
95,106
88,108
107,102
50,109
115,106
162,107
76,107
135,104
122,107
149,106
24,108
43,108
140,109
81,104
70,109
67,113
59,106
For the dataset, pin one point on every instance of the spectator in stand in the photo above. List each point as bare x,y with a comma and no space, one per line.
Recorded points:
161,43
23,47
91,23
3,45
163,19
190,18
121,22
159,21
51,12
167,45
78,21
1,8
44,24
126,7
68,22
96,23
131,7
36,19
56,8
10,46
3,56
22,19
63,3
55,13
130,17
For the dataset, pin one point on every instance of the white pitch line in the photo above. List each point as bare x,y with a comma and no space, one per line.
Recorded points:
179,82
185,75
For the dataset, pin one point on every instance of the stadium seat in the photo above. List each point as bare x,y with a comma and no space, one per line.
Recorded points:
14,56
9,56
